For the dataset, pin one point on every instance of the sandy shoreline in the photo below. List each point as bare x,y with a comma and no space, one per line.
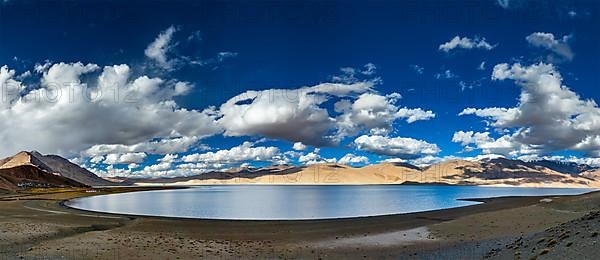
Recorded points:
38,225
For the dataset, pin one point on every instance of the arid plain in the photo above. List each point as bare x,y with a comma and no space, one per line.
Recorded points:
36,224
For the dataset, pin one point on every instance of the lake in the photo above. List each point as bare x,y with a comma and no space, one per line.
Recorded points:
291,202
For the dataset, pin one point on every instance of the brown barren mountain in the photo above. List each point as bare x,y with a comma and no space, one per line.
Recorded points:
34,170
592,174
496,172
56,165
72,171
30,176
24,158
502,171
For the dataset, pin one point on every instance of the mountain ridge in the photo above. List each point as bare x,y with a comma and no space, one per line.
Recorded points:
29,176
497,172
27,169
488,171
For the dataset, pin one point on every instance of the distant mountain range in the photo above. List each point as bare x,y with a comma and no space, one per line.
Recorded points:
498,172
32,169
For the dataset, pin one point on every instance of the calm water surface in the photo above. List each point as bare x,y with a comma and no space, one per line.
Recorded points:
275,202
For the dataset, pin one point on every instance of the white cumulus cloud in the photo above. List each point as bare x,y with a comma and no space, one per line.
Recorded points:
352,159
375,113
126,158
549,116
289,114
558,46
465,43
401,147
160,47
298,146
73,107
315,158
244,152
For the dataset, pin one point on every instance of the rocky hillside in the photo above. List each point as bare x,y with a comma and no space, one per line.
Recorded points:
30,176
56,165
502,171
564,167
32,169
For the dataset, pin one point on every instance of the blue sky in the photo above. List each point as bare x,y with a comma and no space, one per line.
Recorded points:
221,49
